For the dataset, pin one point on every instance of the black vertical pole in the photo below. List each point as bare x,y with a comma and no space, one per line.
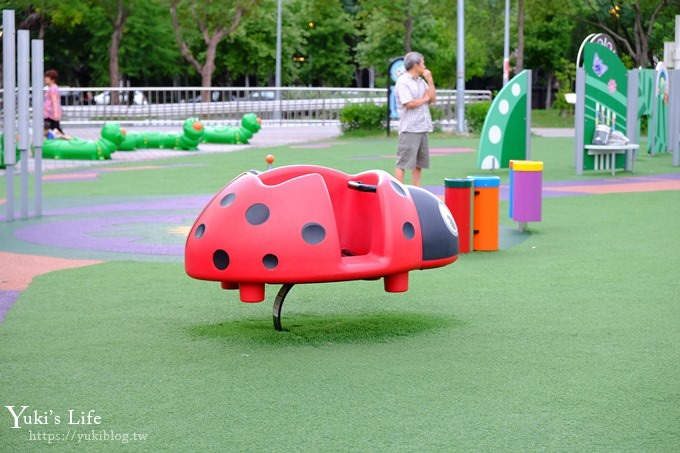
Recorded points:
389,88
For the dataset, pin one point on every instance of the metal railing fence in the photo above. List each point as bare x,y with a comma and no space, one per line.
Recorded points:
172,105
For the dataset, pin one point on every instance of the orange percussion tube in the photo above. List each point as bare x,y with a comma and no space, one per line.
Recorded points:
486,209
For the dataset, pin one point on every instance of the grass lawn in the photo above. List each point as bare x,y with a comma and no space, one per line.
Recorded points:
566,341
551,118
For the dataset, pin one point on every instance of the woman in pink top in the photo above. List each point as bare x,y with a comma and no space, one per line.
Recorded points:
52,103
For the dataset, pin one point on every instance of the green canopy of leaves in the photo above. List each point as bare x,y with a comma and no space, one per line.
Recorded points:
329,42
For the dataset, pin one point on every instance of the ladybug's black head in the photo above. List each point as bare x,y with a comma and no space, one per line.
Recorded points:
440,233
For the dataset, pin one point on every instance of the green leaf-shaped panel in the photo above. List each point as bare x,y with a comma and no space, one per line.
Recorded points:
504,133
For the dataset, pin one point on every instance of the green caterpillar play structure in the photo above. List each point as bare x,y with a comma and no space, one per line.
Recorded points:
75,148
2,152
113,138
188,140
193,133
250,125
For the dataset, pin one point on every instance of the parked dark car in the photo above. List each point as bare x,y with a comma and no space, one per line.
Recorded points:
214,96
69,97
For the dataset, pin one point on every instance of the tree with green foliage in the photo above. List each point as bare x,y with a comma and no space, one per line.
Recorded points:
147,55
38,15
56,22
633,24
230,41
483,41
326,60
549,37
212,21
390,28
249,53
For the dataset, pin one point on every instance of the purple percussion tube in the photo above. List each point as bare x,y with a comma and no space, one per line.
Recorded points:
526,191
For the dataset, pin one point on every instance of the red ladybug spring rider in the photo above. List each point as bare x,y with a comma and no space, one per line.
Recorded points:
311,224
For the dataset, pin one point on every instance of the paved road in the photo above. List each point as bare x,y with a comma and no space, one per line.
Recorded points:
553,132
268,136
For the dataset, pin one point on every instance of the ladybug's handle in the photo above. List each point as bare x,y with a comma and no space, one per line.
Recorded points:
361,187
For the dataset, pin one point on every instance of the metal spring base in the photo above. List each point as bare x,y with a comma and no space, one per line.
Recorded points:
278,304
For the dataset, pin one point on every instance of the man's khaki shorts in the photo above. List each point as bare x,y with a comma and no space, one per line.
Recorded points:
413,151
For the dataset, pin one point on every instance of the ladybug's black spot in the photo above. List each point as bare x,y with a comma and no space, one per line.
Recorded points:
227,199
398,188
199,231
257,214
313,233
270,261
221,259
409,230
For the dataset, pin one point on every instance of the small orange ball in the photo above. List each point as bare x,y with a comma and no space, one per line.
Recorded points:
269,158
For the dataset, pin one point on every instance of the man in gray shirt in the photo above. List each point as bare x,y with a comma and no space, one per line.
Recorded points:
414,92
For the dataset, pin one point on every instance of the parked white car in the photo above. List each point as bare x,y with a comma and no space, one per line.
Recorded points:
104,98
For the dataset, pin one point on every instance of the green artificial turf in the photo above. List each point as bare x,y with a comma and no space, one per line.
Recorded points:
207,173
551,118
567,341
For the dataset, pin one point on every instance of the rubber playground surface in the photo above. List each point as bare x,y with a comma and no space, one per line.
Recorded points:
155,228
98,228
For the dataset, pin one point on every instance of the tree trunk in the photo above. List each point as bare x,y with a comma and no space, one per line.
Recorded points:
114,48
208,68
548,92
519,58
408,28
